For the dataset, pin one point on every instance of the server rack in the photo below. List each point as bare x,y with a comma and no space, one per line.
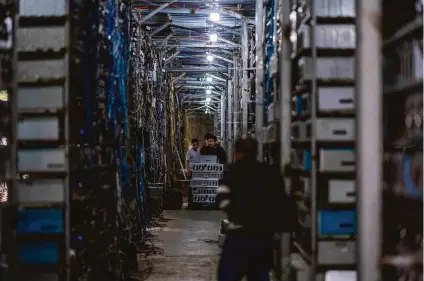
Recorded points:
323,131
40,197
401,103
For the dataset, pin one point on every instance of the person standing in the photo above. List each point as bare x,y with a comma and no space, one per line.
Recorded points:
215,149
253,197
192,155
205,147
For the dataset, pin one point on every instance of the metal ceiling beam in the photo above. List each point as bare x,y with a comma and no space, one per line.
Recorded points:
195,99
200,45
229,42
221,58
166,39
226,28
157,10
178,78
218,78
168,59
196,69
236,15
160,28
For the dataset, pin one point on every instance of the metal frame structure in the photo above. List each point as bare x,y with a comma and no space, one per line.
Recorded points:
40,141
369,138
190,46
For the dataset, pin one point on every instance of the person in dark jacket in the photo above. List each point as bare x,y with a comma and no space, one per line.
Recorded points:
204,150
215,149
253,197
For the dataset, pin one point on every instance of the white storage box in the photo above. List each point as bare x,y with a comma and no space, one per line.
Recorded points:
331,129
40,128
42,191
332,99
335,8
341,191
328,68
47,160
336,252
341,275
329,36
337,160
197,182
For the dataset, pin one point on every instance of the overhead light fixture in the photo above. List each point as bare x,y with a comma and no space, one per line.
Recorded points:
208,79
208,100
214,16
213,37
208,92
209,57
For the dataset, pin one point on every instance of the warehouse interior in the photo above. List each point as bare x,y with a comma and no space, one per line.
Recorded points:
100,99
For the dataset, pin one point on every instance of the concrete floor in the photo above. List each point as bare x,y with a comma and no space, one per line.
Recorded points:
184,247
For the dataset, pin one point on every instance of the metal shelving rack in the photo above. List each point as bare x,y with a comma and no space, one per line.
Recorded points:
40,248
323,133
401,102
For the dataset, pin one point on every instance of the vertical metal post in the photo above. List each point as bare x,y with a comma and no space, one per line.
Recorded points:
314,166
13,122
285,120
236,99
245,88
222,120
230,121
369,137
259,110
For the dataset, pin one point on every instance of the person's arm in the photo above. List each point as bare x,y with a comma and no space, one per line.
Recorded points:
222,156
223,197
188,162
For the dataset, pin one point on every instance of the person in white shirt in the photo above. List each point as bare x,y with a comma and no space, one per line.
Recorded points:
192,155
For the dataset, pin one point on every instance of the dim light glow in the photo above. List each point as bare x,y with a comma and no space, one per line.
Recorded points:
213,37
208,92
209,57
208,100
214,16
208,79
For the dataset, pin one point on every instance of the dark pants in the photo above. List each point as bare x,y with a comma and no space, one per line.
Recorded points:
245,256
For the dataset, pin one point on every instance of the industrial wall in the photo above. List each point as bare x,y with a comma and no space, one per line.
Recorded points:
198,125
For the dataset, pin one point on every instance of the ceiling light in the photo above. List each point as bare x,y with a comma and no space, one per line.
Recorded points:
208,79
208,92
213,37
209,58
208,99
214,16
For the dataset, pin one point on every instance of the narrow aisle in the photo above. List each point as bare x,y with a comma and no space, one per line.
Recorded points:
184,247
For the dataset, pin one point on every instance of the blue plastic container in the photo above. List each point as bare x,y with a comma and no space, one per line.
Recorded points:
45,253
332,223
307,160
48,221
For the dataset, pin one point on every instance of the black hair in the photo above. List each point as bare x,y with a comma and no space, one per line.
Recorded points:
207,136
194,140
213,137
248,147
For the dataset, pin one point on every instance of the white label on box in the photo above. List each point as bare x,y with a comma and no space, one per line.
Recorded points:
207,167
206,176
204,191
204,199
204,183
